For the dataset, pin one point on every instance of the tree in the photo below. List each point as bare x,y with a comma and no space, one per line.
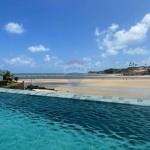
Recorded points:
16,78
6,75
9,77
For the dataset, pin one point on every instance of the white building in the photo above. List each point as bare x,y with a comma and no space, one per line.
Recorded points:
1,76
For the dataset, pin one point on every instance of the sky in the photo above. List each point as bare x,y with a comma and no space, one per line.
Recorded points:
42,36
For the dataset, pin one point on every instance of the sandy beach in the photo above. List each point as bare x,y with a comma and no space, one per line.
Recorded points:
130,87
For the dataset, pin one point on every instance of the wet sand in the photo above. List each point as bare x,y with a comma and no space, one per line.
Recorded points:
138,87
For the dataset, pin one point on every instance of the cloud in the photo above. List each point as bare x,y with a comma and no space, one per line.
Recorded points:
113,27
54,57
97,33
98,63
47,58
110,52
14,28
39,48
21,60
138,51
113,40
58,63
87,58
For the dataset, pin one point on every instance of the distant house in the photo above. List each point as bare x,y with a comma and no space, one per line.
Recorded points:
1,75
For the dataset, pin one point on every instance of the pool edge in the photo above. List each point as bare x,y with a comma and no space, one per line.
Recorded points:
109,99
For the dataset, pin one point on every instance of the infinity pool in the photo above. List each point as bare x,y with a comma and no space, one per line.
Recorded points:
45,123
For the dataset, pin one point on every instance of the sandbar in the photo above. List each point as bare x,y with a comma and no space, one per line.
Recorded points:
129,87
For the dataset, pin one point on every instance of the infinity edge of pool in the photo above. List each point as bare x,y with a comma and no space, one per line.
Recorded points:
110,99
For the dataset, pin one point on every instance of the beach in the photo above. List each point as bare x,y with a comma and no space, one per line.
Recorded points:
108,85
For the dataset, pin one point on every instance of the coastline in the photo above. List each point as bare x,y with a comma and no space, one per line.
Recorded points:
120,86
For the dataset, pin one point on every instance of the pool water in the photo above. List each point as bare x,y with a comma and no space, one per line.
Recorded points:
46,123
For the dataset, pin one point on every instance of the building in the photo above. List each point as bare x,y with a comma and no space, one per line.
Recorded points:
1,75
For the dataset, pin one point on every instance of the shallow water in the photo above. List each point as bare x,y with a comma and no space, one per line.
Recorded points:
43,123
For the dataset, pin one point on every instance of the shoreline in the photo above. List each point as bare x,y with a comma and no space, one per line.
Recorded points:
129,88
87,76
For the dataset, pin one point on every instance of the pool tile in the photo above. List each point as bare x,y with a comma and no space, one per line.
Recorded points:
121,98
115,101
74,96
83,97
127,102
139,100
146,102
69,95
94,98
99,98
111,99
104,97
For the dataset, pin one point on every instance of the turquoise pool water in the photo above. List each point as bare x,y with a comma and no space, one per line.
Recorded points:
46,123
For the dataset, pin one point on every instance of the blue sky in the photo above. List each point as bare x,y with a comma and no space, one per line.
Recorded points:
42,36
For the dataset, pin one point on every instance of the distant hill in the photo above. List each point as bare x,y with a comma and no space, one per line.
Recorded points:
142,70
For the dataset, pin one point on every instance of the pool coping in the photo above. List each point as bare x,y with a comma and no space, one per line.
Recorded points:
110,99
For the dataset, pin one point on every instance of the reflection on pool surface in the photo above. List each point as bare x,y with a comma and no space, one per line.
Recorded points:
43,123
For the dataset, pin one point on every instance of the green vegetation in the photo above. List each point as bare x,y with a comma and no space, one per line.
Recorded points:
11,84
16,78
131,70
10,78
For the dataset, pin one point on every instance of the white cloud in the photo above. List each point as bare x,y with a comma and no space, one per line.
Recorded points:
22,60
113,27
97,33
58,63
47,58
14,28
54,57
112,41
87,58
98,64
134,34
110,52
39,48
146,19
104,55
138,51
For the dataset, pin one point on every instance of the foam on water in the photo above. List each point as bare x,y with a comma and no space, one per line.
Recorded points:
41,123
